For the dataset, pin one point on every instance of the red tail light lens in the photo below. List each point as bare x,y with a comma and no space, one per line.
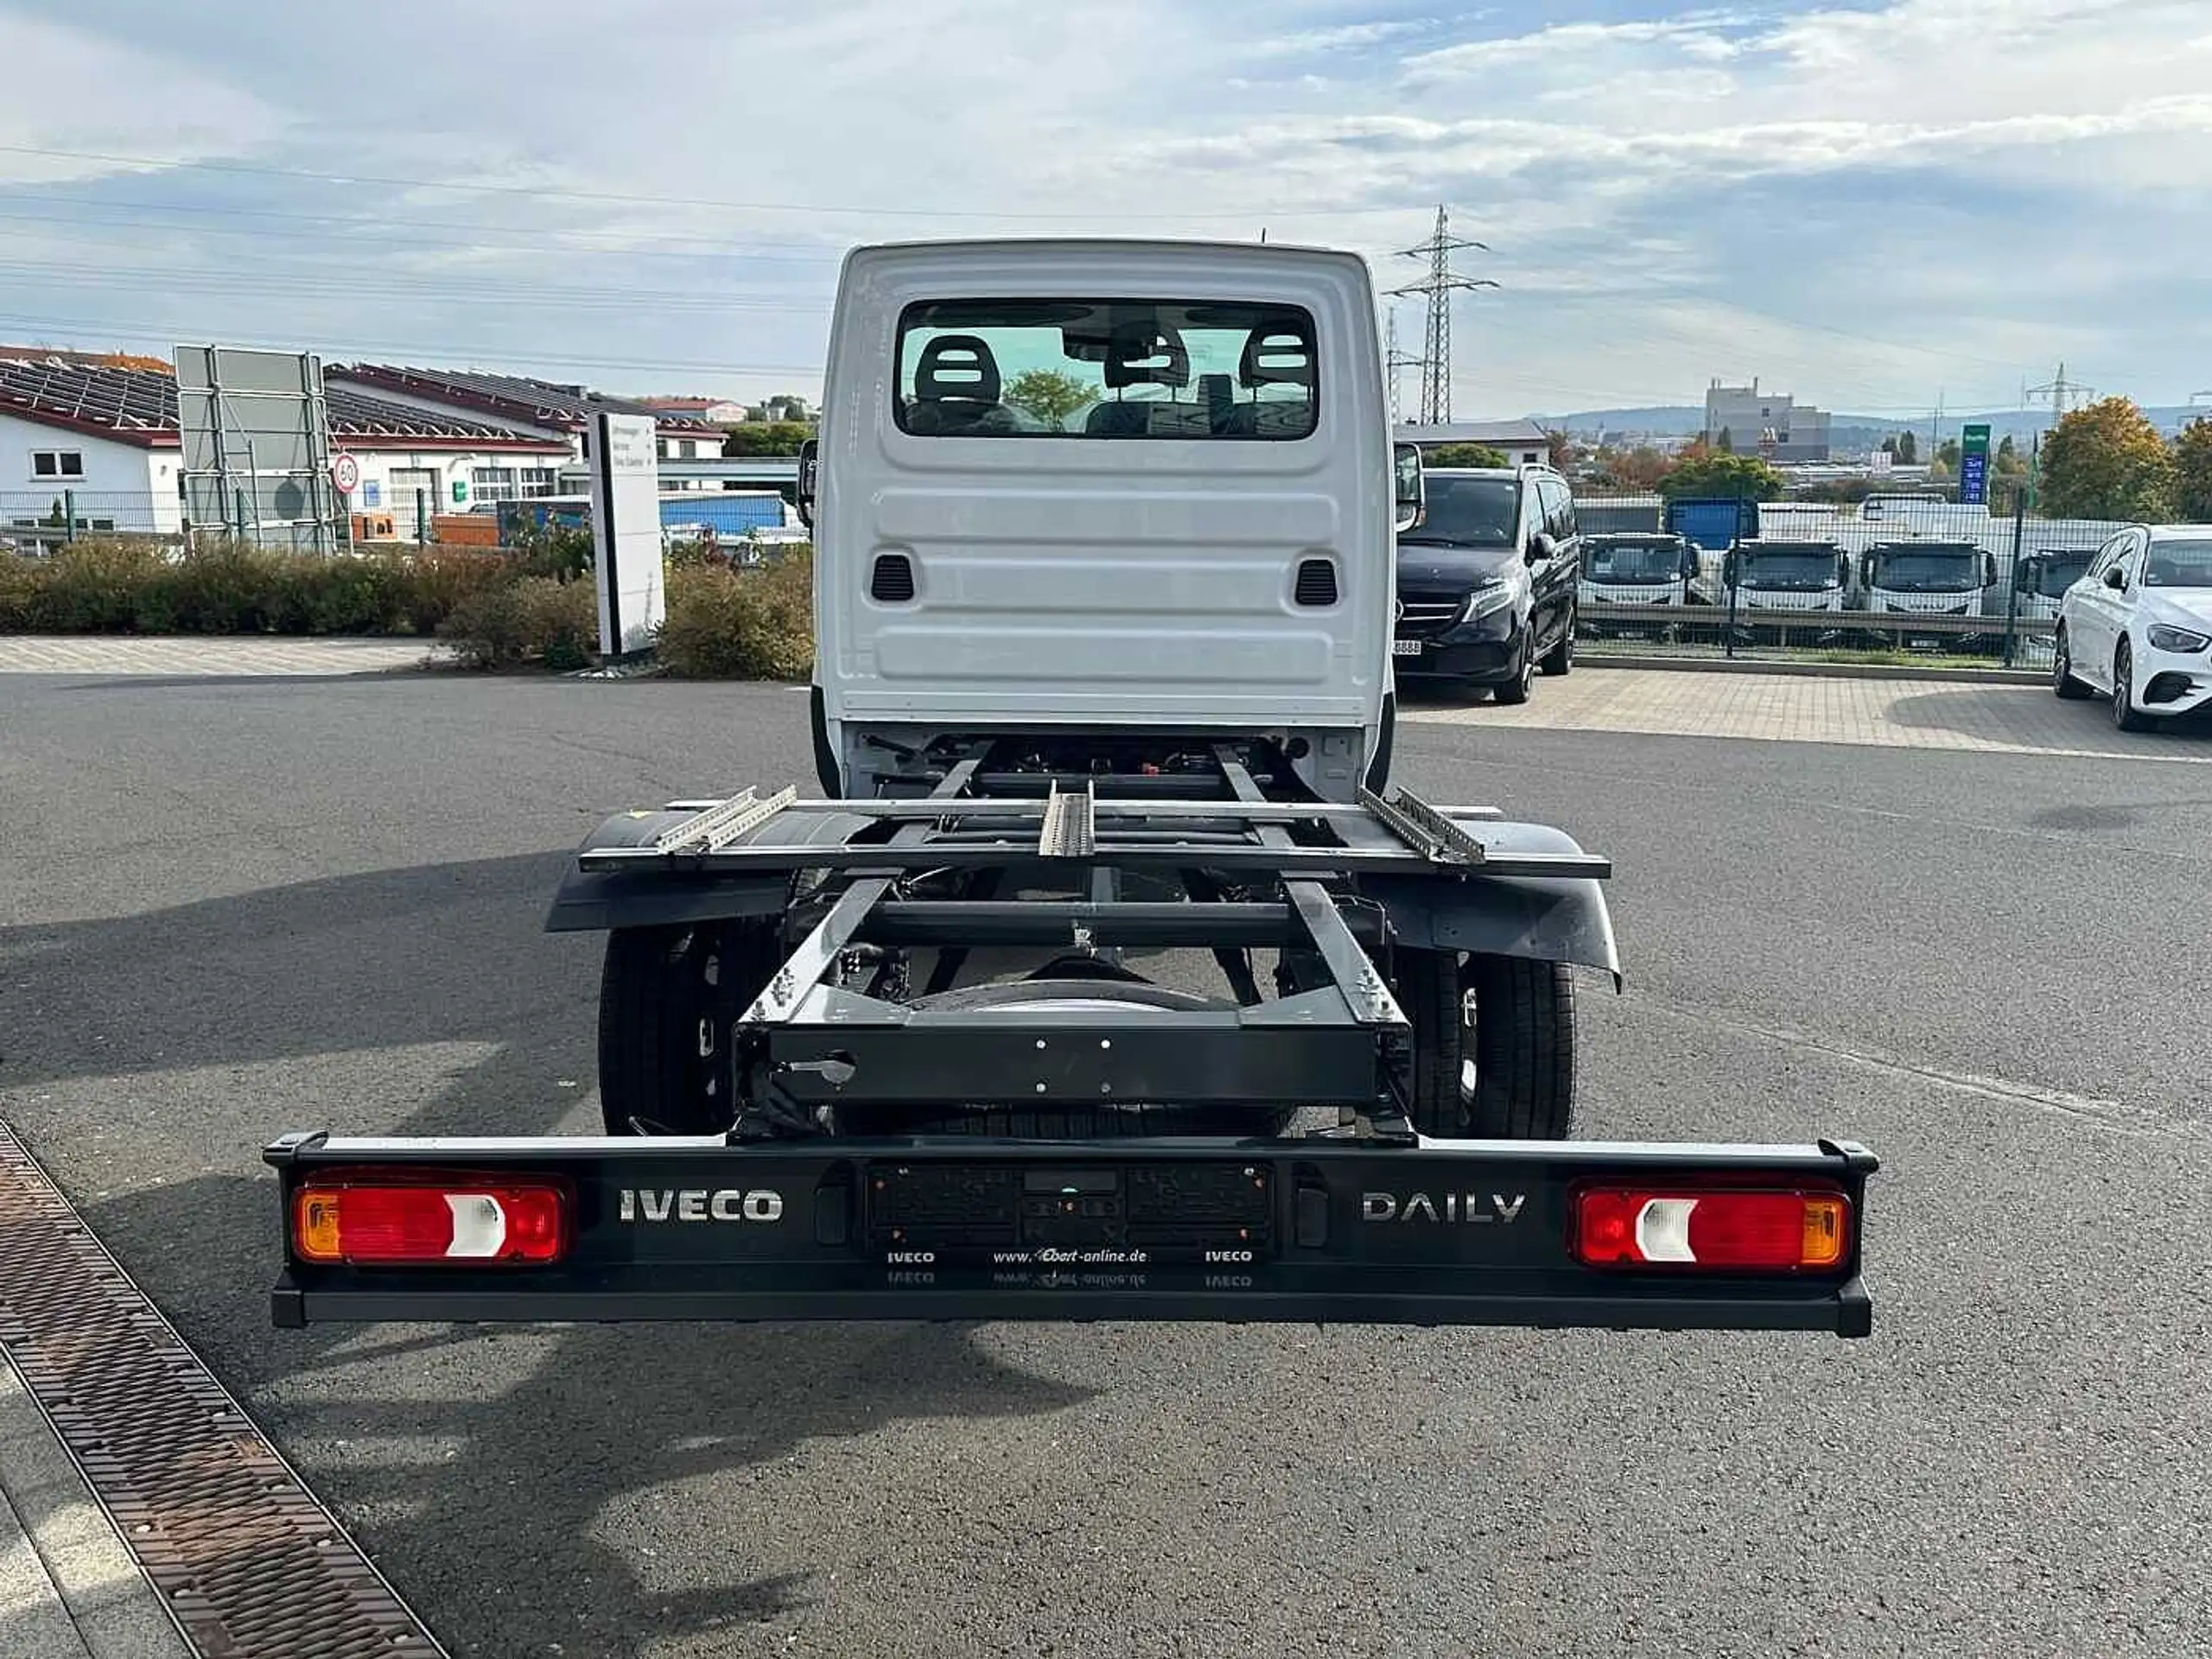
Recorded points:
1764,1229
390,1221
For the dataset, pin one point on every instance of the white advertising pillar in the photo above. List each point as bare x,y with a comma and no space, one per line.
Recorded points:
626,532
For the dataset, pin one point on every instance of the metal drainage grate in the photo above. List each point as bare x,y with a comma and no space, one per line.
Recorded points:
249,1563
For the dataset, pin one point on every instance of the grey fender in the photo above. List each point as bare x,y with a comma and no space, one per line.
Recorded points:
1543,918
670,894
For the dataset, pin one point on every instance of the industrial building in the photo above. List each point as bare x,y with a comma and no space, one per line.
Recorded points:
1768,423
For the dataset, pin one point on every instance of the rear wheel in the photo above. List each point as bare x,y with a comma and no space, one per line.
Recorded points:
667,999
2062,670
1493,1045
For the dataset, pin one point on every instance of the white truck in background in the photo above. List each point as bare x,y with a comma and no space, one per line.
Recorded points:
1773,582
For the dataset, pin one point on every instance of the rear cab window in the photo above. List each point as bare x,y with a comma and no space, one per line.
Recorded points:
1112,369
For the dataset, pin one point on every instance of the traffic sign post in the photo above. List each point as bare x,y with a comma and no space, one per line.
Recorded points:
1974,465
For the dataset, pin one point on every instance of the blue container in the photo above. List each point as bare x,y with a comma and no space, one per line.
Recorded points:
1713,524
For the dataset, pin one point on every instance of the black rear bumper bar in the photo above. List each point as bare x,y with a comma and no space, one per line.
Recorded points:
1440,1232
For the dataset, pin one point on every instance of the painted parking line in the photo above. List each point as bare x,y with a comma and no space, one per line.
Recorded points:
1797,708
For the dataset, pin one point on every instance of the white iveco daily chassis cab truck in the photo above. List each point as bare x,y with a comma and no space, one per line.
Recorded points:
1110,975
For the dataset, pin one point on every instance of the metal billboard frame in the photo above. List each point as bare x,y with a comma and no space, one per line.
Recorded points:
256,433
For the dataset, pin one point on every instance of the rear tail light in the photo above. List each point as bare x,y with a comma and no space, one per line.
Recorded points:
1749,1229
387,1220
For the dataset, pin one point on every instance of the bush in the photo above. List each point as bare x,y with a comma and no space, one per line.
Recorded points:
438,581
367,594
93,587
552,550
19,584
752,623
535,618
220,588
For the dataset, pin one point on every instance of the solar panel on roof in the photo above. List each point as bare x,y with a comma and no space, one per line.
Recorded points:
141,400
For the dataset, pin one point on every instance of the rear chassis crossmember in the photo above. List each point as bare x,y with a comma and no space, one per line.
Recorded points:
1359,1219
1431,1232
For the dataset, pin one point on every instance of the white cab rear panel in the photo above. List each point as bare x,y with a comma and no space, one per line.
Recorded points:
1104,582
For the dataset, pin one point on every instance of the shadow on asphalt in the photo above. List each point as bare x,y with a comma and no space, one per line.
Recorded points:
2088,725
522,1487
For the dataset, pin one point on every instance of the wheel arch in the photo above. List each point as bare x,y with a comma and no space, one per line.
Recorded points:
1540,919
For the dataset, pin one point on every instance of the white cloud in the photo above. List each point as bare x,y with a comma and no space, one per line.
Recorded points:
1341,37
70,89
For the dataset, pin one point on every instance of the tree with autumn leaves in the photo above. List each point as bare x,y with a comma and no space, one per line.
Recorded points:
2107,460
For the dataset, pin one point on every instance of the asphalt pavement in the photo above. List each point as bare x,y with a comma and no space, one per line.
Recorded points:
239,906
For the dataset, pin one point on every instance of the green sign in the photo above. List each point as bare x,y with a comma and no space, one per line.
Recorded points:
1974,464
460,485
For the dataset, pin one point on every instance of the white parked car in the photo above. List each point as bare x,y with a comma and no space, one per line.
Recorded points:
2137,626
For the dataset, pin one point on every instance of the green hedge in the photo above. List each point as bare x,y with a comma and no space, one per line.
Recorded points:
121,587
530,604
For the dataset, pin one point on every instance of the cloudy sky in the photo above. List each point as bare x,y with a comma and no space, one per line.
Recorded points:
1870,205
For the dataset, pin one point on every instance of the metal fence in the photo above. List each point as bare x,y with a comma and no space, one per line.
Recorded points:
1895,576
34,519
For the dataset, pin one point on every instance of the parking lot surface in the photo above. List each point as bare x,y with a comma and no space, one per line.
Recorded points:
1805,708
239,906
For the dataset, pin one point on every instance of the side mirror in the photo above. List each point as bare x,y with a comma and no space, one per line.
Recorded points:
1689,562
1541,547
2116,579
809,469
1410,494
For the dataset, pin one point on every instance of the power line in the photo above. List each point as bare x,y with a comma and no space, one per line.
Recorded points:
1439,286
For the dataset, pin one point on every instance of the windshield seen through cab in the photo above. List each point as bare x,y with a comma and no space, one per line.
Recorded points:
1793,568
1125,369
1929,570
1635,562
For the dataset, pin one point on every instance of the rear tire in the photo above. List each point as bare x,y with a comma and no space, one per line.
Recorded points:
667,999
2062,670
1493,1045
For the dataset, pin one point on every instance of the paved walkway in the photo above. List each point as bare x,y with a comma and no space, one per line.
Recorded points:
1783,708
68,1589
23,653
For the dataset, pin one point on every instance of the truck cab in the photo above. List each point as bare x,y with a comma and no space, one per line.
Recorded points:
1779,575
1653,568
1071,489
1927,579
